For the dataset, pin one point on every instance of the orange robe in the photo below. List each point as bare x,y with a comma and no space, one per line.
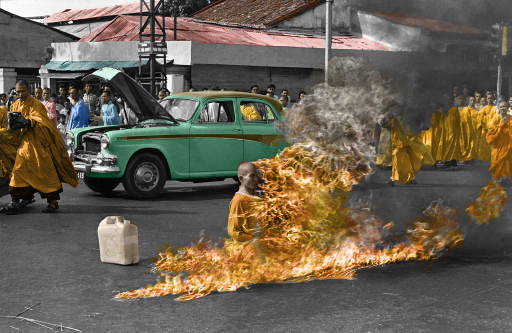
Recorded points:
408,153
41,160
242,217
488,115
451,135
467,133
500,137
9,142
384,151
425,137
437,135
3,116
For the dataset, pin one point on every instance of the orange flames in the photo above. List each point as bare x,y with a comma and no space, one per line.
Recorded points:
307,233
489,204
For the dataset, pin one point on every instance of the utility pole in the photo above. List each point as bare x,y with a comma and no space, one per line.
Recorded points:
328,38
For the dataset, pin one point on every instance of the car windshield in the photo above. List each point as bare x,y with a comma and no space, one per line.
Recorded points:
180,109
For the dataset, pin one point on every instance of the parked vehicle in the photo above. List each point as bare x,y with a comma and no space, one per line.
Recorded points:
192,136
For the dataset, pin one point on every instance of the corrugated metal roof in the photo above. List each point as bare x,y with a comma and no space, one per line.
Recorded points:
81,30
126,28
253,13
425,22
88,14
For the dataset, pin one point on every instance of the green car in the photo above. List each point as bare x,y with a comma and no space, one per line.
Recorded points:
193,136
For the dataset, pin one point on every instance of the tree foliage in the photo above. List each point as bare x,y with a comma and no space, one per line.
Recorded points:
184,7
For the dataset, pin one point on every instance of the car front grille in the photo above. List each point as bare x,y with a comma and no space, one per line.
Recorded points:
92,145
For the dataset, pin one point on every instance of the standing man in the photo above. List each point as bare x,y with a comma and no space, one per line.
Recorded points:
255,89
93,103
271,89
49,105
61,97
500,137
109,115
38,94
41,163
79,116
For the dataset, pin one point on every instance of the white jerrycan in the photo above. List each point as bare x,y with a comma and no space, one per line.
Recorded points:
119,241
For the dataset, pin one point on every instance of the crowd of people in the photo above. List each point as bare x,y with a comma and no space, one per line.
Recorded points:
475,128
71,108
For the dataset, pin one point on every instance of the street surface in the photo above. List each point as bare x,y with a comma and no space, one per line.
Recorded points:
51,262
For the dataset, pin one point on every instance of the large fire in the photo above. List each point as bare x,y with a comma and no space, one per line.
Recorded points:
308,231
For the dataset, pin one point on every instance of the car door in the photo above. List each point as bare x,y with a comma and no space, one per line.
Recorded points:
216,140
262,139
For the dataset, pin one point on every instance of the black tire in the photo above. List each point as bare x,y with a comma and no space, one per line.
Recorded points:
101,185
145,176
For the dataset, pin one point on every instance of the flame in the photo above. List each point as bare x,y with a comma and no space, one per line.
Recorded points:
307,233
489,204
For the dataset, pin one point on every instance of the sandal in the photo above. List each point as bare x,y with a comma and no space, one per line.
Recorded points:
12,208
51,208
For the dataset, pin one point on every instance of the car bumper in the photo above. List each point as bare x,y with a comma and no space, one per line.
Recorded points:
88,168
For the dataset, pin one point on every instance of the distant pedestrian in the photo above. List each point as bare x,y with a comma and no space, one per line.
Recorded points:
3,99
300,99
38,94
49,105
93,103
255,89
271,91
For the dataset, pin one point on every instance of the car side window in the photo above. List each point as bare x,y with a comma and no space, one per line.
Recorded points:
217,112
257,112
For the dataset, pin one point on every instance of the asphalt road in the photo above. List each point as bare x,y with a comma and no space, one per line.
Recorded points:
52,263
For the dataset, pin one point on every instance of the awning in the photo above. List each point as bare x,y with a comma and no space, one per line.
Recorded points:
87,65
62,75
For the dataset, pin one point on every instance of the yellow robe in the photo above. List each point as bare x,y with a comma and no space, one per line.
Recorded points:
242,218
41,160
9,142
408,153
467,133
487,116
384,150
500,137
451,135
425,137
3,116
437,135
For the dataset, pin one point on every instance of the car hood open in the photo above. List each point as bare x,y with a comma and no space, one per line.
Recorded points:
142,103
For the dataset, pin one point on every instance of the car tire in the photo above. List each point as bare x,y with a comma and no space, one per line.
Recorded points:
101,185
145,176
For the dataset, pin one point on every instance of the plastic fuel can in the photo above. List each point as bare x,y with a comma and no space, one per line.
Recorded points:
119,241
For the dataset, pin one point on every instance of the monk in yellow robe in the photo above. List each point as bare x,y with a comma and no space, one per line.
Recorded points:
452,132
437,135
42,164
467,131
487,116
242,217
408,153
500,137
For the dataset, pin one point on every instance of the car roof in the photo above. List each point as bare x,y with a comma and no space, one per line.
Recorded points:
224,93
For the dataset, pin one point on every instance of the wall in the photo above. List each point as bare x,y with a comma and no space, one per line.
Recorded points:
24,42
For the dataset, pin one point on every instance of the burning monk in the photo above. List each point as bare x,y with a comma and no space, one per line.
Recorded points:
500,137
242,219
41,163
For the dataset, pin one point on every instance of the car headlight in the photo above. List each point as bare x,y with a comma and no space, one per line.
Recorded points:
105,142
70,140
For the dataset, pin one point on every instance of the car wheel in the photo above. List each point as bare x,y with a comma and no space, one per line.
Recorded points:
145,176
101,185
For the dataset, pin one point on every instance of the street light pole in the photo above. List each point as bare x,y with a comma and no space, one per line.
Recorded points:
328,38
